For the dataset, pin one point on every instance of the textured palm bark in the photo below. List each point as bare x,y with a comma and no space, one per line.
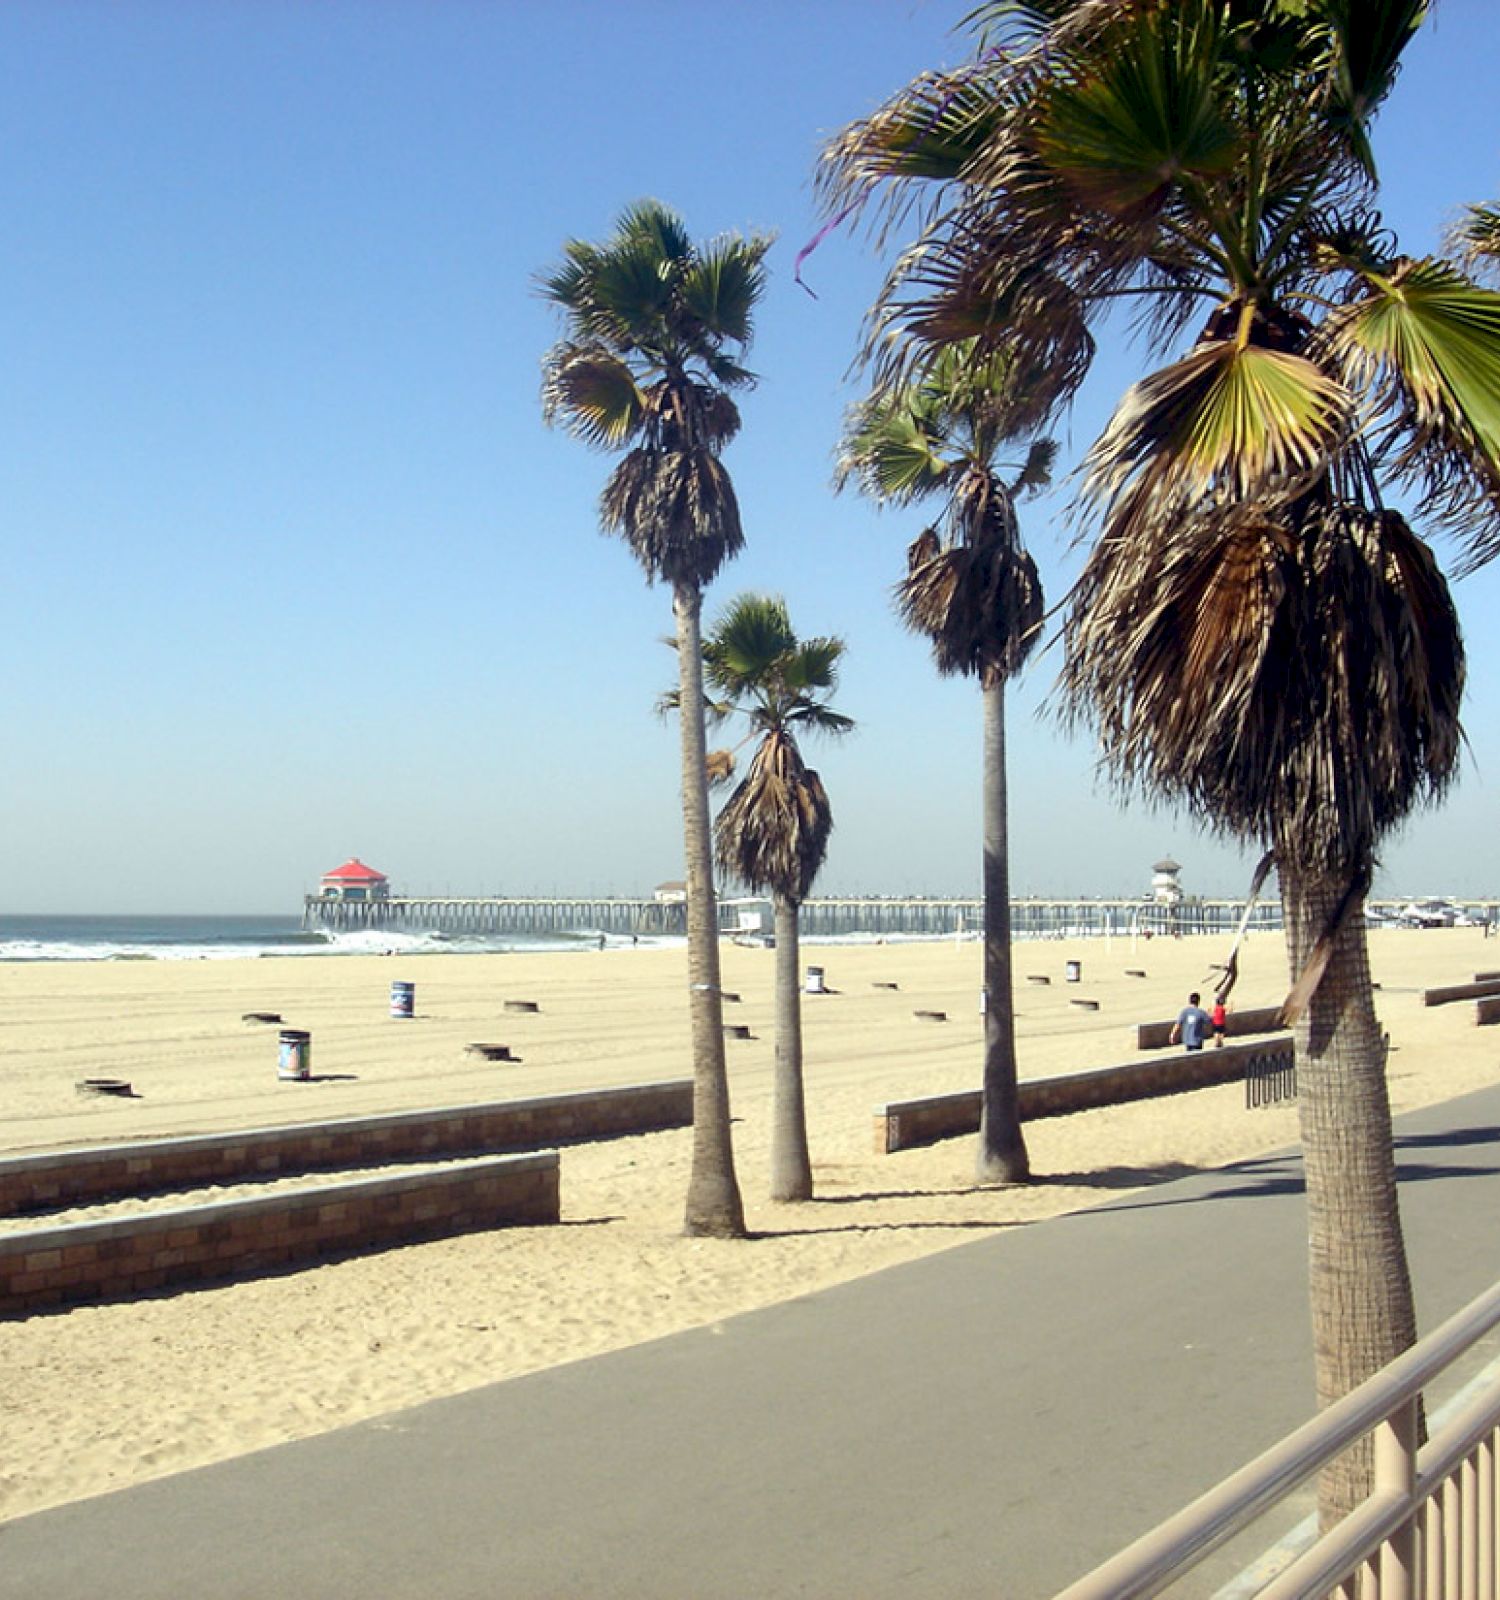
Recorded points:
1363,1314
1001,1156
714,1206
791,1166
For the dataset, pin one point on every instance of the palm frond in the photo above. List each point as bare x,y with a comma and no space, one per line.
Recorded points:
1036,470
1292,673
1425,343
1368,38
1475,239
1146,115
887,448
657,227
677,511
722,284
772,833
1241,418
746,643
593,392
979,605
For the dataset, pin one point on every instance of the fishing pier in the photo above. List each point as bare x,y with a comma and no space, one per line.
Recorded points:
833,917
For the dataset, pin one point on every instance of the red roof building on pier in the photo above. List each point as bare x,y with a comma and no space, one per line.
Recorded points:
354,881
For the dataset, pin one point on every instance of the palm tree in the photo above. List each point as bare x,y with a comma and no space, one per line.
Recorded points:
976,595
1258,632
646,367
772,833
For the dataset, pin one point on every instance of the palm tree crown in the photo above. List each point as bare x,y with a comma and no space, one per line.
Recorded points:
772,833
1257,630
975,594
655,326
1209,160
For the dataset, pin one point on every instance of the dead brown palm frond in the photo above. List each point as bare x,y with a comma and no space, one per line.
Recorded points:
977,279
1292,672
981,606
1475,239
719,765
772,833
677,510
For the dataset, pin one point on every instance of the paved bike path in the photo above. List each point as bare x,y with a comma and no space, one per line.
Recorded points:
992,1420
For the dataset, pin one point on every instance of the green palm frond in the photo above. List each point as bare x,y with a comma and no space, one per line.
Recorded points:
1366,39
754,659
593,392
1426,342
1226,417
820,719
658,228
1147,116
931,130
813,664
722,284
745,645
891,453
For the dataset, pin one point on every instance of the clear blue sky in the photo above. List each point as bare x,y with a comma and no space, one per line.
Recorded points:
295,571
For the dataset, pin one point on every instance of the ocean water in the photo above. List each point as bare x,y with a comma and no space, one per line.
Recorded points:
188,938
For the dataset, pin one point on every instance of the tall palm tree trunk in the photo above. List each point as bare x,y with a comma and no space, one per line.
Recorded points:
714,1206
1363,1314
791,1166
1001,1157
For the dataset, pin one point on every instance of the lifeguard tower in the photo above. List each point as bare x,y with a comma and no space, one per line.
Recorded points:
1165,888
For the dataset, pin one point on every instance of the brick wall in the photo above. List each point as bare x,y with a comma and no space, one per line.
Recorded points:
902,1124
54,1179
132,1255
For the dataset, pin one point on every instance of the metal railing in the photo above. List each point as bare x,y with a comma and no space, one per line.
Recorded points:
1427,1532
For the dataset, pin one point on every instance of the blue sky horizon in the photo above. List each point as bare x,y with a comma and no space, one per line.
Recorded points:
296,571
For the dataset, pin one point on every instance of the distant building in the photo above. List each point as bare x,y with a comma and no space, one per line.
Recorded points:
354,881
670,894
1165,889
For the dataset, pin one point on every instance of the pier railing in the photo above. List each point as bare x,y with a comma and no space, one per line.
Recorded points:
827,917
1427,1532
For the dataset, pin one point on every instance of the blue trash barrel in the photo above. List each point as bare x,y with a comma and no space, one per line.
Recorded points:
403,999
295,1061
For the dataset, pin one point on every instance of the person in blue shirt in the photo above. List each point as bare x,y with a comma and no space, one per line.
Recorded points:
1192,1025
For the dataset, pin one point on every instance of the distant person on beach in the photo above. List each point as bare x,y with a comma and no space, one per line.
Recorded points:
1220,1017
1192,1025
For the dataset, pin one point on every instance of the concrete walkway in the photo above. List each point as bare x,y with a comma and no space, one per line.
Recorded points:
993,1420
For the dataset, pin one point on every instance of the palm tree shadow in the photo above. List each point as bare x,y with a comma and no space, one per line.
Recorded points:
1450,1138
1122,1177
975,1225
895,1194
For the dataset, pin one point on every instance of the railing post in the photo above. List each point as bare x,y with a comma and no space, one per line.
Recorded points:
1396,1475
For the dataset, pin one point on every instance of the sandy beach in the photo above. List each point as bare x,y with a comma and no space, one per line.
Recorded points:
101,1397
